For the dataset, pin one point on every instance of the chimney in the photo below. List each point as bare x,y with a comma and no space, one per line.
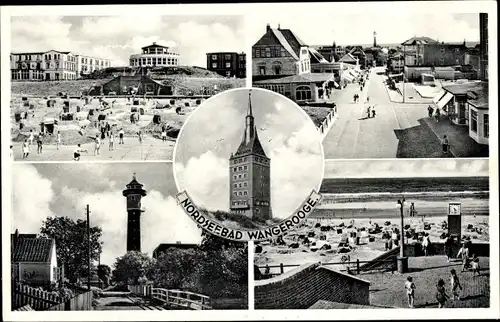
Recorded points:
279,27
268,27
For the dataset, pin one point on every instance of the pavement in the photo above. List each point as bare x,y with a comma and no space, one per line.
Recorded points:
123,301
387,289
353,136
150,149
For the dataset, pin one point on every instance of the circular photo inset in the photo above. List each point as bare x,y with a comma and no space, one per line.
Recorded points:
248,164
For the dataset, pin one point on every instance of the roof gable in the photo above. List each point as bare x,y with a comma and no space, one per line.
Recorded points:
33,250
348,58
252,147
419,41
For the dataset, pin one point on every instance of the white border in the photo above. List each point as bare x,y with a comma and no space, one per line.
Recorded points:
434,7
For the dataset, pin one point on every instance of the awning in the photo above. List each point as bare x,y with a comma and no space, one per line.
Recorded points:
438,96
347,76
445,100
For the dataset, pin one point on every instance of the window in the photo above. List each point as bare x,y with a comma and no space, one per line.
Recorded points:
268,52
277,68
239,176
457,50
244,175
245,193
442,50
228,65
228,56
441,61
234,169
228,74
240,168
486,125
235,177
245,167
303,93
245,184
235,193
214,57
473,121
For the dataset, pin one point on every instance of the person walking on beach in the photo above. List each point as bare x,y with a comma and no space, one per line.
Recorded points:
455,284
31,138
430,111
368,99
446,144
410,291
373,112
39,143
447,247
111,140
441,295
139,134
58,140
26,149
464,254
164,134
97,145
412,210
368,112
425,245
121,134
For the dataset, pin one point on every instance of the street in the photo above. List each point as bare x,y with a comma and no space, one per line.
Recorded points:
113,301
354,136
151,149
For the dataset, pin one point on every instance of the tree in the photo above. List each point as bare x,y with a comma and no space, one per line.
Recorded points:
104,273
71,244
132,266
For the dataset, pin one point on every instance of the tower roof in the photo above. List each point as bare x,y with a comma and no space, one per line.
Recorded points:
250,144
134,182
134,186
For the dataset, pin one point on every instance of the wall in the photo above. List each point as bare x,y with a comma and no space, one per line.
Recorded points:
452,55
288,65
300,288
478,136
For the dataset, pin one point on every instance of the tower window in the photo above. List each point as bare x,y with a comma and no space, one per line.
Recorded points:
235,193
245,192
235,185
245,167
239,176
235,177
240,168
234,169
244,175
244,184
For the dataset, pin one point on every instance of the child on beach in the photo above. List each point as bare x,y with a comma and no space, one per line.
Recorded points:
441,295
39,143
121,134
97,145
26,149
111,140
31,138
58,140
475,265
455,284
77,153
164,135
410,291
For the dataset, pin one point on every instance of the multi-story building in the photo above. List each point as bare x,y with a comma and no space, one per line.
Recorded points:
86,64
395,63
483,45
228,64
52,65
250,175
155,55
279,52
473,58
413,50
425,51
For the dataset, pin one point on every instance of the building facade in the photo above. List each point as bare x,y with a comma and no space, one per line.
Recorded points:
227,64
395,63
155,55
134,194
52,65
279,52
413,50
483,45
250,175
444,54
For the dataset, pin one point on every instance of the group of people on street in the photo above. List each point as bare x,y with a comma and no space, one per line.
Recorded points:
436,113
370,112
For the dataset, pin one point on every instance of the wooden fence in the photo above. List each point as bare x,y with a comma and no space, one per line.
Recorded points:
327,121
174,298
40,300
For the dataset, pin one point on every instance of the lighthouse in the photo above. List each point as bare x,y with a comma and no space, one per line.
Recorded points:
374,39
134,194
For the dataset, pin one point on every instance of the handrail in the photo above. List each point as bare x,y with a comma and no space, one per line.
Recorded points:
181,298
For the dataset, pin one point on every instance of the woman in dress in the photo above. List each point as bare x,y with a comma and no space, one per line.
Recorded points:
26,149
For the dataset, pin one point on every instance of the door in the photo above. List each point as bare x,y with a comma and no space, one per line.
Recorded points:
47,76
461,112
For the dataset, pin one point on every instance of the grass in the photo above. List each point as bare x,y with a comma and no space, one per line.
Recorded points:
317,114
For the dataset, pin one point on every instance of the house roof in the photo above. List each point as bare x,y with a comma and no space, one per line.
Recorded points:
284,42
479,97
289,40
302,78
154,45
316,57
419,41
33,250
462,89
348,58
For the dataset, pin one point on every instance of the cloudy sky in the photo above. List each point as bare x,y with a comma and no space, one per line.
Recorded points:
321,24
288,137
399,168
42,190
117,37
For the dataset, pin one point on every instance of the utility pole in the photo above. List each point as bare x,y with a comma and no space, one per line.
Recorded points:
404,65
402,260
88,246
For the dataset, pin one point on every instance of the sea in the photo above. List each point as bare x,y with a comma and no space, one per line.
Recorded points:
377,197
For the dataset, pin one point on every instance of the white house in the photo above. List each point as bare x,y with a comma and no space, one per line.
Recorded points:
34,260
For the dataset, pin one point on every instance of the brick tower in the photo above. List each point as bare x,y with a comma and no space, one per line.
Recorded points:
134,193
250,174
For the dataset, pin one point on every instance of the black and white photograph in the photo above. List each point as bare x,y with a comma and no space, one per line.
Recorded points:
92,237
115,87
409,85
255,170
387,234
